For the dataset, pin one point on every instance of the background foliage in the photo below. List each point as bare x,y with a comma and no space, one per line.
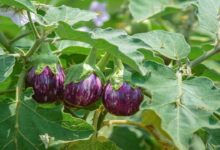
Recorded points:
170,48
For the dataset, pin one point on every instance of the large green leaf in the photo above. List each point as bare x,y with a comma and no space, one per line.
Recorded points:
24,4
184,106
143,9
6,66
116,42
208,11
171,45
26,125
68,15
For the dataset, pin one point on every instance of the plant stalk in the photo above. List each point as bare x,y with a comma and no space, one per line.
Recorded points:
103,61
205,56
98,118
91,58
36,34
5,43
34,48
20,84
19,37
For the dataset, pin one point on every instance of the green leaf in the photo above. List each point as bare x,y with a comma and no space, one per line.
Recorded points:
171,45
143,9
116,42
26,125
184,106
6,66
73,47
131,138
23,4
208,11
68,15
101,143
214,138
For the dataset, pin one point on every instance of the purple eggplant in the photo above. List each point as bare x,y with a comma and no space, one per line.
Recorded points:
47,85
122,102
83,93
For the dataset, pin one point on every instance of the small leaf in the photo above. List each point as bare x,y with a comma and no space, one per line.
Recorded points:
143,9
6,66
26,125
171,45
68,15
208,11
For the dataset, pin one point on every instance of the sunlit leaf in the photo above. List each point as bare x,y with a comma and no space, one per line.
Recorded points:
208,11
171,45
184,106
68,15
143,9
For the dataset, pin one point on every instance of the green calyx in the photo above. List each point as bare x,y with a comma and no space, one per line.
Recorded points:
91,58
45,56
79,72
40,68
44,59
117,78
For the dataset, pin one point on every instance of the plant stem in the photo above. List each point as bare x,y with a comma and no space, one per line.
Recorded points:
205,56
95,121
118,64
4,42
98,118
91,58
19,37
103,61
37,36
20,84
34,48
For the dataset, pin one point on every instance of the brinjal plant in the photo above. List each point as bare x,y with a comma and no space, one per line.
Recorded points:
109,75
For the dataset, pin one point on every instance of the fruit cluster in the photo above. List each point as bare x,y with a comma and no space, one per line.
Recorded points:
49,86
